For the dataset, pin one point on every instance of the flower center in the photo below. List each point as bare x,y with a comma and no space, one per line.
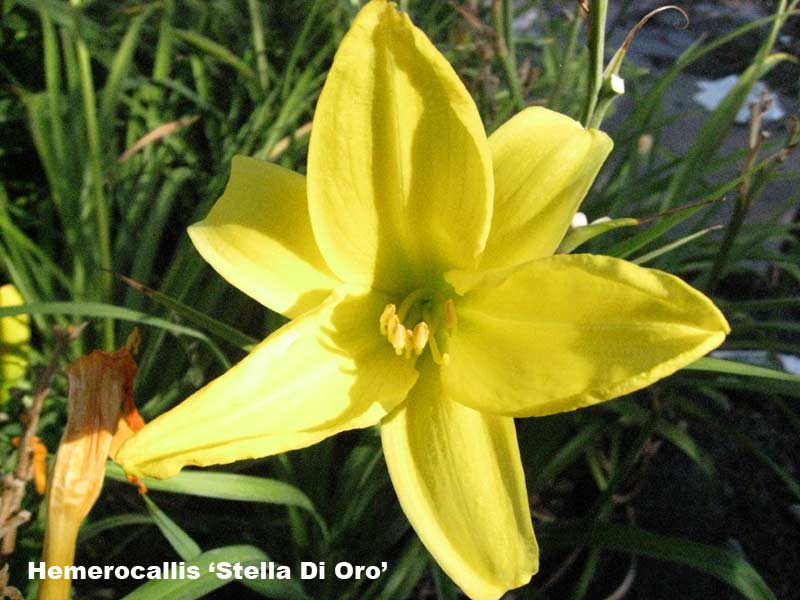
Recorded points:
431,315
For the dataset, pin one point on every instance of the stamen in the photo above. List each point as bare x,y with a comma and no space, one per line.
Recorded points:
391,325
409,343
397,335
434,313
450,316
421,335
387,314
438,357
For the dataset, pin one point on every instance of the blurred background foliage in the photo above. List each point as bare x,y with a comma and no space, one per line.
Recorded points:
119,121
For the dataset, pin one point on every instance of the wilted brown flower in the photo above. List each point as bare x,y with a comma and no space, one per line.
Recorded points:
101,415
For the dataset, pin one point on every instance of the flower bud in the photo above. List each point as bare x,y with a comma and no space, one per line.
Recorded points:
15,332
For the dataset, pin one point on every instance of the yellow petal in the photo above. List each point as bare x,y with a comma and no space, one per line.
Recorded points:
570,331
399,173
544,163
15,332
325,372
459,479
258,236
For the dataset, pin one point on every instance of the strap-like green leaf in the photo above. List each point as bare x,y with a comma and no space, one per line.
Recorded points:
213,326
580,235
732,367
95,528
180,541
208,581
110,311
227,486
215,50
725,566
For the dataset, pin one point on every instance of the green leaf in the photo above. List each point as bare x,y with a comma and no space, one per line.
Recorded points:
213,326
653,100
180,541
119,69
679,438
715,128
406,572
732,367
65,15
714,421
580,235
725,566
568,454
445,589
95,528
208,581
761,303
686,444
109,311
151,222
674,218
645,258
16,237
214,49
358,482
227,486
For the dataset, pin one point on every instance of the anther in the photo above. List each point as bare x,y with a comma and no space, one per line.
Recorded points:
397,335
408,341
421,335
387,314
450,316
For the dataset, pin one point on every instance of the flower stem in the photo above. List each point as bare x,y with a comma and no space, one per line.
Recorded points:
502,16
258,44
598,10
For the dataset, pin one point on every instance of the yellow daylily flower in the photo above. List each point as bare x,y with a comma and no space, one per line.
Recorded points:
15,333
415,260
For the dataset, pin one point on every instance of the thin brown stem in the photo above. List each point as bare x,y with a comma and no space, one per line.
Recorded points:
14,485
